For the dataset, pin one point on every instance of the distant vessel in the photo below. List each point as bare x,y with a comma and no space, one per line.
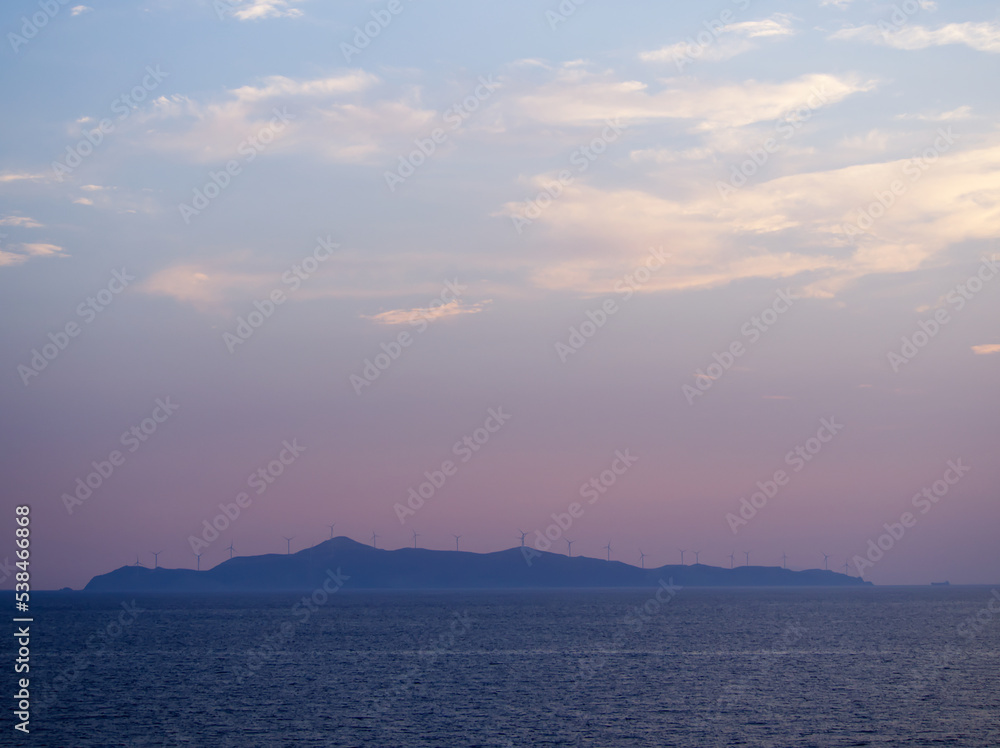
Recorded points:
940,584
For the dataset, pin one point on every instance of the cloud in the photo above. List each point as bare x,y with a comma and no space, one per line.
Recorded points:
336,117
77,10
19,176
255,10
581,98
983,36
986,350
728,42
83,201
22,221
453,308
961,113
23,252
779,228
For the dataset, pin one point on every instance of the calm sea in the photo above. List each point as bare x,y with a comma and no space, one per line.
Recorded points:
862,667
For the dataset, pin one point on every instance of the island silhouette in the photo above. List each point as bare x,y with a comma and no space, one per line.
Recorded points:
365,567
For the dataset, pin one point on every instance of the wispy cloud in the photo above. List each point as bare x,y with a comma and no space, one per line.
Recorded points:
983,36
256,10
986,350
731,40
410,316
22,221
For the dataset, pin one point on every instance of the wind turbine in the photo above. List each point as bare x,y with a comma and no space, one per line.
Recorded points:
569,544
456,540
697,555
784,560
374,538
415,536
826,561
230,549
682,557
608,546
523,533
331,529
288,545
732,560
847,567
747,554
156,558
642,558
198,555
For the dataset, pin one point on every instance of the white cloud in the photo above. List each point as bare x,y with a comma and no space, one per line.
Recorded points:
983,36
336,117
23,252
453,308
986,350
255,10
19,176
962,112
581,98
730,41
22,221
77,10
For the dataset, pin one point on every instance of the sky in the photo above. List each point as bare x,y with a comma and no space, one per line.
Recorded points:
715,277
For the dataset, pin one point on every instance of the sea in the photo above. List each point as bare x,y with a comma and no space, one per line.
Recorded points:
664,666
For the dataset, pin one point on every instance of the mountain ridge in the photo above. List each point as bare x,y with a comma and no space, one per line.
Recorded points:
364,567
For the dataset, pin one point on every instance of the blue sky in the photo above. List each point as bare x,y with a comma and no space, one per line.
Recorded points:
559,150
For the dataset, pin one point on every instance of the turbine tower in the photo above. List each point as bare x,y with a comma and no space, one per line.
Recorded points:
137,560
784,560
642,558
230,549
374,538
456,540
569,544
288,545
198,555
415,536
747,554
697,555
523,533
682,557
732,560
608,546
847,567
826,561
331,529
156,559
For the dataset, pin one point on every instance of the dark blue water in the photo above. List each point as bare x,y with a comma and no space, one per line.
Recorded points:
878,667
